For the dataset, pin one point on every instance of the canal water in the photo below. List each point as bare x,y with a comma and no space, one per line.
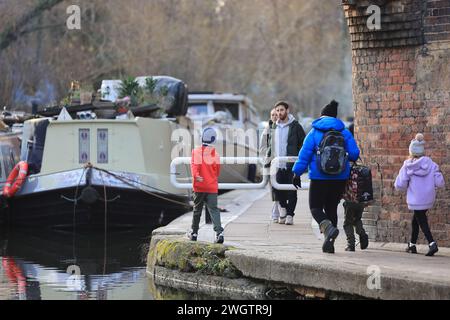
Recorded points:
62,265
87,265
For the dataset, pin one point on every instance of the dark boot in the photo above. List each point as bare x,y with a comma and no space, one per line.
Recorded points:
363,237
350,247
350,233
411,249
364,241
433,249
330,233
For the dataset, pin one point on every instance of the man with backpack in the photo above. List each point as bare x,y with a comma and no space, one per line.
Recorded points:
327,151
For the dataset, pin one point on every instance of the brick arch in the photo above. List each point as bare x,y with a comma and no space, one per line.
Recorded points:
401,86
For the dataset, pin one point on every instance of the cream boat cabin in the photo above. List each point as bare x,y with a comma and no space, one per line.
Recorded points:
140,145
103,170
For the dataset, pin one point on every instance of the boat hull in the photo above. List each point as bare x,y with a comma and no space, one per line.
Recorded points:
83,203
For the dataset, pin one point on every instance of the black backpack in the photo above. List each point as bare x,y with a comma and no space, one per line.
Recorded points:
359,186
332,156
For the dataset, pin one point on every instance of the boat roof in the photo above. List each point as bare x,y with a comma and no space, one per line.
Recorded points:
224,97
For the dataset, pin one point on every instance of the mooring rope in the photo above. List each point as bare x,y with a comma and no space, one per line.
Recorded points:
74,213
124,180
106,225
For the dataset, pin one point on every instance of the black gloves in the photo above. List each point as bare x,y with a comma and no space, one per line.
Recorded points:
297,182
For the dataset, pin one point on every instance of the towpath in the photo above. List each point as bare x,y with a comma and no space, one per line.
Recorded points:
292,254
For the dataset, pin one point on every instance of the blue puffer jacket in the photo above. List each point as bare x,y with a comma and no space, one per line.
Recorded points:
307,156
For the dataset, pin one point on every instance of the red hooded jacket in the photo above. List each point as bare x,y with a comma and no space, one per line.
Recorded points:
205,163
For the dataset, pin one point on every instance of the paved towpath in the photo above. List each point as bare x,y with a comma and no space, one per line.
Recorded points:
292,254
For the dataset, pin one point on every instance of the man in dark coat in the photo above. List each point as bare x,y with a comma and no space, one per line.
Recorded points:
287,142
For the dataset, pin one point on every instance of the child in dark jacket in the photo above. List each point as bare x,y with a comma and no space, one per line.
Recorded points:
353,223
205,168
420,177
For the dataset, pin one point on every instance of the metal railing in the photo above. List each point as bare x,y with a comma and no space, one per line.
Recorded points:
241,186
222,186
276,162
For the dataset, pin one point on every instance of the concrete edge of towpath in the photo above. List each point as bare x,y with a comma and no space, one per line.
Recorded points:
309,270
315,271
235,203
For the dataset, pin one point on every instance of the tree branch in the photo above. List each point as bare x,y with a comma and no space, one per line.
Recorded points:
12,33
35,29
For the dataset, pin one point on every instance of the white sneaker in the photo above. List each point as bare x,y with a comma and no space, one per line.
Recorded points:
283,214
289,220
316,230
192,236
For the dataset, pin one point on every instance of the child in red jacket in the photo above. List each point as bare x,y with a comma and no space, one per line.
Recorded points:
205,168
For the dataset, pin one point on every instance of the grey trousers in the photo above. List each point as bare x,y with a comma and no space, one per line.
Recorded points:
210,199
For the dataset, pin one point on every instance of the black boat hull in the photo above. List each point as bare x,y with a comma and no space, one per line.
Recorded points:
123,208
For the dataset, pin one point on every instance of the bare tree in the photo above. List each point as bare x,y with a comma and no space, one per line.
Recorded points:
14,31
295,49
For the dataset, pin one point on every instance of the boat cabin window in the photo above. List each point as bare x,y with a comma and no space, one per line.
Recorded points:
254,117
232,108
198,109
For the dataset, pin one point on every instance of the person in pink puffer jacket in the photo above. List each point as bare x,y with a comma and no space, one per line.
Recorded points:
420,177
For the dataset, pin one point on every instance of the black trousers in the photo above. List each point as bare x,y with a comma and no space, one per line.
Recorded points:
287,199
352,221
420,220
324,198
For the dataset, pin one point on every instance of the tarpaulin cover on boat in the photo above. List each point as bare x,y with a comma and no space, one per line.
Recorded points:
33,142
174,94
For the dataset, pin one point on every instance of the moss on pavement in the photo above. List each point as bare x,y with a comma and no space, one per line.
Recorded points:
194,257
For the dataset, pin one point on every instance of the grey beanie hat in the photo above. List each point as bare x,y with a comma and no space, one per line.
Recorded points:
417,146
209,136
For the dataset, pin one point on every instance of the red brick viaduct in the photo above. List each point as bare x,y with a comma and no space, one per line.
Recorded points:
401,86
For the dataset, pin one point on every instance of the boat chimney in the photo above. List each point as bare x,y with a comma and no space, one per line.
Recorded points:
34,108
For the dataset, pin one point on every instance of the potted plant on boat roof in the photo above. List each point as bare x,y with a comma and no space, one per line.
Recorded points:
130,88
152,98
150,95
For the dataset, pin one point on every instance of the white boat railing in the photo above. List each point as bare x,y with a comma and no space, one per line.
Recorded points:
276,162
222,186
240,186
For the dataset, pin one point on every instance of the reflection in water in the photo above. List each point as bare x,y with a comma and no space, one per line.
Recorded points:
60,265
166,293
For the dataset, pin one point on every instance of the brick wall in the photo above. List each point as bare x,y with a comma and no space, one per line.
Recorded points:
401,86
437,22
